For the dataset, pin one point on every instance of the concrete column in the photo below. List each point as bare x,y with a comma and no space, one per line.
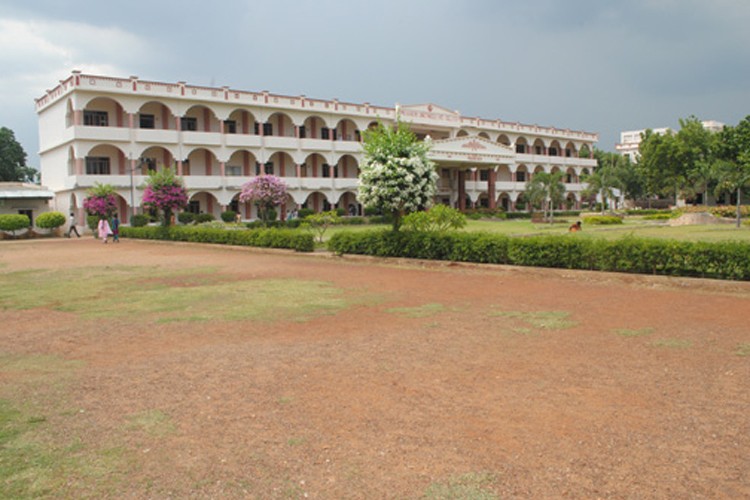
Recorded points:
491,179
462,190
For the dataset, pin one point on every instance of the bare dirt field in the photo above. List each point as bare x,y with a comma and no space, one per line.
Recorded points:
281,375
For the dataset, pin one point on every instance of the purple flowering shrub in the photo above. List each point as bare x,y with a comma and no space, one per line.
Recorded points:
266,191
165,192
101,201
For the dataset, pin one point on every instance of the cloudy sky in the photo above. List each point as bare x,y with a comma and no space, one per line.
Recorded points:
595,65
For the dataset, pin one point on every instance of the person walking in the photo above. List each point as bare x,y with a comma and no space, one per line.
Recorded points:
72,228
103,229
115,227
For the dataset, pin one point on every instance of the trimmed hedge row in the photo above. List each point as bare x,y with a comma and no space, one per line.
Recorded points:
723,260
267,238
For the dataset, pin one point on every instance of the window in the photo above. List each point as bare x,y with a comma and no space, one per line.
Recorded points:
302,132
553,151
568,153
256,128
194,207
28,213
230,127
257,168
521,148
325,133
267,129
521,176
234,171
95,118
147,121
537,150
484,175
326,170
188,123
268,168
97,165
150,164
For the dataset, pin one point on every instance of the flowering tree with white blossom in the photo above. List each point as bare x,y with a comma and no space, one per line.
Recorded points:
266,191
396,176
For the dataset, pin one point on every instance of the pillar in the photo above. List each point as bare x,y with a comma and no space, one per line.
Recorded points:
462,190
491,179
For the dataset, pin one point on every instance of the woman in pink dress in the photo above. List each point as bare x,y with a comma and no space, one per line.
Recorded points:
103,229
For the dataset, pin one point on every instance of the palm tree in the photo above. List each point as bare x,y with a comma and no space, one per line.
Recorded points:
603,182
547,190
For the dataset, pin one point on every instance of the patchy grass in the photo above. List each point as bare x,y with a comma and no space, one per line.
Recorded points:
743,349
672,343
152,422
471,486
640,332
423,311
545,320
162,296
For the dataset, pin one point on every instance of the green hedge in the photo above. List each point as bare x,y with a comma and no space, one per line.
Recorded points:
602,219
268,238
50,220
14,222
723,260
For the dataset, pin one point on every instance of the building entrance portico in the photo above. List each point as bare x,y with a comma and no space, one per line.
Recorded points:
468,167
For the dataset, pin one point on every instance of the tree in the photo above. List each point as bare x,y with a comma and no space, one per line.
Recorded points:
319,223
548,190
695,154
101,201
733,166
438,219
13,166
267,192
659,164
396,176
606,178
166,192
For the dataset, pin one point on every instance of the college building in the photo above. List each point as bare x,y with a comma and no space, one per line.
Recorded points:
99,129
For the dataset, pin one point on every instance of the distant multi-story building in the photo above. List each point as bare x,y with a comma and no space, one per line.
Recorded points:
99,129
630,140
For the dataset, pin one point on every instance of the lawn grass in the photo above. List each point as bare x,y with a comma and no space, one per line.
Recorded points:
632,226
193,295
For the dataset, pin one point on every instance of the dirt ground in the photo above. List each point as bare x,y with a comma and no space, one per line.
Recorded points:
447,386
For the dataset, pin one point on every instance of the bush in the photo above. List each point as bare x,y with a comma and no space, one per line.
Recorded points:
186,217
730,212
664,216
92,221
723,260
229,216
201,218
647,211
139,220
304,212
269,238
603,219
439,218
15,222
50,220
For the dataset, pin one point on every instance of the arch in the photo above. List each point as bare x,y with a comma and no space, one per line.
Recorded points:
201,161
522,203
104,159
504,174
555,169
522,146
241,121
348,167
571,201
317,201
346,130
315,127
280,125
522,174
241,163
503,139
570,176
199,118
538,168
281,164
538,147
155,115
156,158
462,133
555,149
570,150
484,135
313,166
585,172
122,208
204,202
504,202
104,112
348,201
69,114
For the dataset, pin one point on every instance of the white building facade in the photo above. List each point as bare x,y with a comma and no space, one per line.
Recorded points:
98,129
630,140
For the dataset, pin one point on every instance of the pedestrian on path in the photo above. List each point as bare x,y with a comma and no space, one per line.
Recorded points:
115,227
103,229
72,228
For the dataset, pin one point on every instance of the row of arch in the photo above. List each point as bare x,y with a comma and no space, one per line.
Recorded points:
152,114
